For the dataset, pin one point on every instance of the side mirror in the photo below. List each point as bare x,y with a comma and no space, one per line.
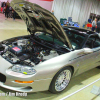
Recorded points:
87,50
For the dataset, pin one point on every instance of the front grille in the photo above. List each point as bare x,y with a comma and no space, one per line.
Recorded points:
2,78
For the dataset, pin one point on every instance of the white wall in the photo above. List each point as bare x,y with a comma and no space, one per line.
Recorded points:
79,10
45,4
2,0
5,0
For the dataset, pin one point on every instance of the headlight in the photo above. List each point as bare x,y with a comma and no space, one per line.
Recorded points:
23,69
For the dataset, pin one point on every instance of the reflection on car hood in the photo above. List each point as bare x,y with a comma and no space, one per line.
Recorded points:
39,19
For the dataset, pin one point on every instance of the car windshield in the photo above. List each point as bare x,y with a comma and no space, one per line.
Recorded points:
76,39
49,38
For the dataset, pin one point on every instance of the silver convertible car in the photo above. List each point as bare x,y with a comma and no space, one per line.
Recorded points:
50,56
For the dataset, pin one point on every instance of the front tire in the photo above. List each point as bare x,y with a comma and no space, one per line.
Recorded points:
98,67
61,80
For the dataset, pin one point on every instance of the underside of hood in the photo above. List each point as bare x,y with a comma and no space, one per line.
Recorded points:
39,19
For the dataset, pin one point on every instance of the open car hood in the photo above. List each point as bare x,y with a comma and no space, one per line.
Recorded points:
39,19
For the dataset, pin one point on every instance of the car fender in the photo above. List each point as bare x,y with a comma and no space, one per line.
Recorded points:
49,68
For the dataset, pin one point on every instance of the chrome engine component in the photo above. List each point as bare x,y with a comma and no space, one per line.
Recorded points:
22,42
25,51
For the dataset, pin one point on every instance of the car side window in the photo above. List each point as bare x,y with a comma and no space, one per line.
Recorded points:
93,42
97,42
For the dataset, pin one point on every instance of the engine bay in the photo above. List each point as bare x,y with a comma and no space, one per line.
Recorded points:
25,51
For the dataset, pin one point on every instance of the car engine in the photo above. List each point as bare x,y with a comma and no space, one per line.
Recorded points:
25,51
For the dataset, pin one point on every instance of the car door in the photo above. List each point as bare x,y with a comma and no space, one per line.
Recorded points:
96,50
90,60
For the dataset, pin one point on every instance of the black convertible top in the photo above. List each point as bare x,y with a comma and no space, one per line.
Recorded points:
79,30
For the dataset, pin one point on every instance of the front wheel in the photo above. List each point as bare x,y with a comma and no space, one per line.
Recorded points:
61,80
98,67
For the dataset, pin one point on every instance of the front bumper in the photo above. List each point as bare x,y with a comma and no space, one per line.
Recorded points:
37,85
9,78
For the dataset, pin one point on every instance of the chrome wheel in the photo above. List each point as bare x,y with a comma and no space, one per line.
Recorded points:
62,80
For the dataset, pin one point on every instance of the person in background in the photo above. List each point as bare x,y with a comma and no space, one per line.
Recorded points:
94,23
4,6
14,14
7,10
8,3
52,12
98,26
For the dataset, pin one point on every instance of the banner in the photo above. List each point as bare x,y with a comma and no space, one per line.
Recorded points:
47,0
